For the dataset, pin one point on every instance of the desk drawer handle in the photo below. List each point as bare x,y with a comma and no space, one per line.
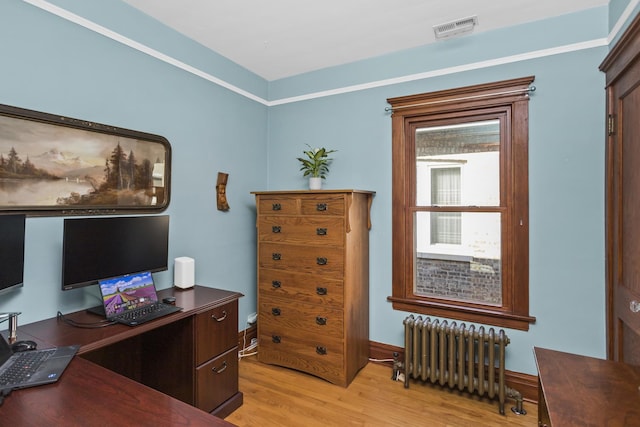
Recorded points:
276,229
220,319
321,291
321,320
221,369
634,306
276,284
321,207
321,350
276,207
276,311
276,256
276,339
321,261
321,231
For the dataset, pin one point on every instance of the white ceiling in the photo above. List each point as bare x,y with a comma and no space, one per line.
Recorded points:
282,38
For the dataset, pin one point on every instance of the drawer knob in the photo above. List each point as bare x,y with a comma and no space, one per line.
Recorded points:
321,350
276,229
321,291
321,231
276,311
276,284
276,207
321,207
276,256
220,319
321,320
321,261
275,339
221,369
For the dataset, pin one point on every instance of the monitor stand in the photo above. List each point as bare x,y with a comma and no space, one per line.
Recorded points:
98,310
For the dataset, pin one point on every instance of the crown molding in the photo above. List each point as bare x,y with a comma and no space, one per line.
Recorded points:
69,16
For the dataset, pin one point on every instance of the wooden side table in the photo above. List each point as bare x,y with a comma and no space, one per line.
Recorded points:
584,391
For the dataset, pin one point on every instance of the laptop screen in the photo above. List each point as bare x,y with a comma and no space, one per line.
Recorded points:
123,293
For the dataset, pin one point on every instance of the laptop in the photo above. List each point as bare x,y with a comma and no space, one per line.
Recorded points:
33,367
132,299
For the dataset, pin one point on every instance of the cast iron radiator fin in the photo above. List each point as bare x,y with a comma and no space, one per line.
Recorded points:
467,358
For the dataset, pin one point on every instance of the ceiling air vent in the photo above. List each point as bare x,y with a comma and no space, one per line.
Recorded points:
454,28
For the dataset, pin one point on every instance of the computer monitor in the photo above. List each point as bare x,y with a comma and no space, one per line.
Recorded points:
99,248
12,229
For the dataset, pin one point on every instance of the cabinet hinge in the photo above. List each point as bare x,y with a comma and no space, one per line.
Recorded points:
611,124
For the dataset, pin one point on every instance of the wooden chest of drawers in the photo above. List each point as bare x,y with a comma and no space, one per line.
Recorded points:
313,281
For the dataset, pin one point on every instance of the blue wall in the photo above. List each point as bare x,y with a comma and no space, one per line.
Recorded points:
57,66
621,13
566,160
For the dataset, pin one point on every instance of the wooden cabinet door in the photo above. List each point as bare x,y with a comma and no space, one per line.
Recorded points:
622,67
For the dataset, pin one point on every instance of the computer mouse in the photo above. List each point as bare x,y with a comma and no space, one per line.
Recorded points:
24,345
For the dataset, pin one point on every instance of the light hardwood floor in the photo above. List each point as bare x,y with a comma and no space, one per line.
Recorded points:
275,396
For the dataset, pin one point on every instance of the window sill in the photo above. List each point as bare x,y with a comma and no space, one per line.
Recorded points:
463,313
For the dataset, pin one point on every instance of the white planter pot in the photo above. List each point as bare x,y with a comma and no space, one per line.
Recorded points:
315,183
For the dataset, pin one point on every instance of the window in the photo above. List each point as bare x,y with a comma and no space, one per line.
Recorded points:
445,190
460,203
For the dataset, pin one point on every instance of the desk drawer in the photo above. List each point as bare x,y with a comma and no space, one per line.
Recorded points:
216,331
217,380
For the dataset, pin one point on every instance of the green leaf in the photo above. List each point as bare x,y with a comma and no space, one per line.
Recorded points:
316,161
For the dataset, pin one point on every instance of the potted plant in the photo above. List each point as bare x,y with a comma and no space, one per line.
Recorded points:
315,165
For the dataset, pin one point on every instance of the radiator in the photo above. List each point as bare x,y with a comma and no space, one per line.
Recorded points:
458,356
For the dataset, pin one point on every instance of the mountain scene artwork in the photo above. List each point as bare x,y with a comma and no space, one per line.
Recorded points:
46,165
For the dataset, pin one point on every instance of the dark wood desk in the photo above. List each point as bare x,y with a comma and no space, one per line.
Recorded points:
158,373
584,391
90,395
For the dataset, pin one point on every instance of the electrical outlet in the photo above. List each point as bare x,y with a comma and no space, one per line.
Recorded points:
252,318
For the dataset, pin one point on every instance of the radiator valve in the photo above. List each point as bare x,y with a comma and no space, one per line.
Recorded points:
397,375
518,409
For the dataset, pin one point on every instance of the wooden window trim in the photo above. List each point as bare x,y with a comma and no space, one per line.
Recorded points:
513,96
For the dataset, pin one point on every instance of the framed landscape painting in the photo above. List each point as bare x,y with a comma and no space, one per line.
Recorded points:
54,165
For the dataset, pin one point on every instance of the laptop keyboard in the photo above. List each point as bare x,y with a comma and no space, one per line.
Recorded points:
146,313
24,365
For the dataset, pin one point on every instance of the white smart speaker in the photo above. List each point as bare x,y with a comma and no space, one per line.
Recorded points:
184,272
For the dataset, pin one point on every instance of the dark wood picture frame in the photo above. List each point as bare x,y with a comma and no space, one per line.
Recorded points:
53,165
